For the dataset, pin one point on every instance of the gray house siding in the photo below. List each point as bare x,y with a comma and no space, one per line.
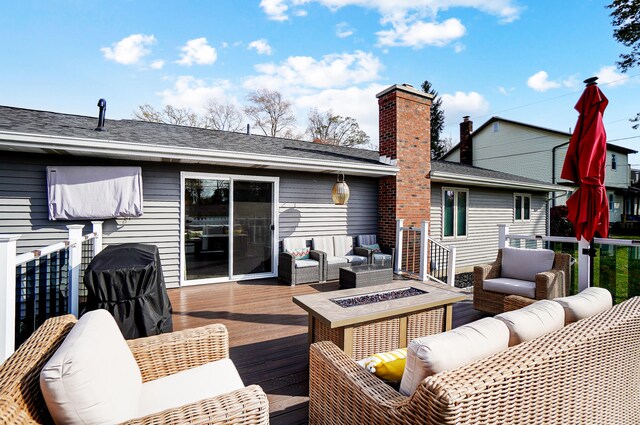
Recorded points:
487,208
305,206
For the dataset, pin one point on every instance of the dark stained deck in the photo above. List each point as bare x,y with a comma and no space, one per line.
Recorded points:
267,335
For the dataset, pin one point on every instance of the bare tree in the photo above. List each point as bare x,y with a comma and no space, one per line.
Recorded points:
221,116
270,113
331,129
168,115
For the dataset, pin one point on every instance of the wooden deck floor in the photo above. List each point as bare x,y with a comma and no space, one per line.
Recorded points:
267,335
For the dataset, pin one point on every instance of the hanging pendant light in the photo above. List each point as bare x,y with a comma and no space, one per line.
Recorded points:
340,193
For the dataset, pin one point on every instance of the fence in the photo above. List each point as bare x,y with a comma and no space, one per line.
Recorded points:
42,283
613,264
419,255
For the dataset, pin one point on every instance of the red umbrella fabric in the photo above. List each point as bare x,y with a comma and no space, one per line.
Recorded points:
585,164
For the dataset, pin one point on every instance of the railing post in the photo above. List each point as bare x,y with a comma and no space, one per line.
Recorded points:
75,261
7,295
398,264
584,269
97,242
424,250
503,231
451,267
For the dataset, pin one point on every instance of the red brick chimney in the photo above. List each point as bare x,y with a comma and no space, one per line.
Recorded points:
405,135
466,142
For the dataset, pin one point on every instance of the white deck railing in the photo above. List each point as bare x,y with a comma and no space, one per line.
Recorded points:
9,261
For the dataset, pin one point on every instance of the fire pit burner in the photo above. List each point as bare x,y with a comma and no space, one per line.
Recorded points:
375,297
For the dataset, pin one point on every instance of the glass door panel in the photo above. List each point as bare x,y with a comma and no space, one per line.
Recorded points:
206,233
252,227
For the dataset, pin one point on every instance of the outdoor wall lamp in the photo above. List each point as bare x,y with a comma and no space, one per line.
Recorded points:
340,193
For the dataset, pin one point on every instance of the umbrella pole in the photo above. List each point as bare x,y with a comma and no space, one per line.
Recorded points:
584,264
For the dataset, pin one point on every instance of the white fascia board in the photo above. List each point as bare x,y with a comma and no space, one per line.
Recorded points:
441,177
118,149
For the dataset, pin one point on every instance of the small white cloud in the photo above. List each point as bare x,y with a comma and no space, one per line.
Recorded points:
261,46
275,9
418,34
197,51
130,49
300,13
157,64
572,82
461,104
458,47
609,75
224,44
343,30
540,82
505,91
193,93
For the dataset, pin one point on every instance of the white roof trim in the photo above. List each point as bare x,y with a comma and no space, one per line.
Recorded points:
139,151
444,177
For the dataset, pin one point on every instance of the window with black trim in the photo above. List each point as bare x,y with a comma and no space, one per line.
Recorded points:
614,164
521,207
455,205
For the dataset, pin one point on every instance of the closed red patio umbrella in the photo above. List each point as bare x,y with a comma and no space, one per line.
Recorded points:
585,165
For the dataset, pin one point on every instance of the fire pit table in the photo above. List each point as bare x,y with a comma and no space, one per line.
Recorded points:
364,321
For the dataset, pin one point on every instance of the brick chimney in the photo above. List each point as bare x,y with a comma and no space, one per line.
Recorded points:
405,135
466,142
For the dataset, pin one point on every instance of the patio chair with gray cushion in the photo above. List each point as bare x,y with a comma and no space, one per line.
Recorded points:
340,252
536,274
297,263
378,254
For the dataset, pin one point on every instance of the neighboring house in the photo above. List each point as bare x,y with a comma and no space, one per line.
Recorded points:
217,204
536,153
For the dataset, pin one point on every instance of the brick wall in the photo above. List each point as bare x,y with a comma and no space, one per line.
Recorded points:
405,133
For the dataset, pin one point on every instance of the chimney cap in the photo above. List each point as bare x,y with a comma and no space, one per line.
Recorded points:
407,88
465,118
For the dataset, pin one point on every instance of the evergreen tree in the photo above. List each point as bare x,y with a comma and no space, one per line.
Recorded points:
438,147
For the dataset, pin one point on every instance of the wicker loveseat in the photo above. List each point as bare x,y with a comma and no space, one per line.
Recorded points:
21,401
588,372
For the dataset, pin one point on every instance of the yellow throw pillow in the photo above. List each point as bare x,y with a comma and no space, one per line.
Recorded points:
388,366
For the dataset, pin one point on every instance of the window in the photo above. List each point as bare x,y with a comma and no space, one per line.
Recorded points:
495,128
614,165
611,199
521,207
454,217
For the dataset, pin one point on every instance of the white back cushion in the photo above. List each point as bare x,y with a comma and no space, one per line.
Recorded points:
524,264
585,304
532,321
366,240
342,246
432,354
293,243
324,244
92,378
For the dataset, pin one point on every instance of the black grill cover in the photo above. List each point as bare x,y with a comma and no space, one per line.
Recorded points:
127,281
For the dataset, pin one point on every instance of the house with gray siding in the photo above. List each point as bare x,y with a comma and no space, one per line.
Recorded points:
218,204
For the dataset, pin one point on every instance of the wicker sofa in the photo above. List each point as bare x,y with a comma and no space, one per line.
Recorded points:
585,372
21,401
552,283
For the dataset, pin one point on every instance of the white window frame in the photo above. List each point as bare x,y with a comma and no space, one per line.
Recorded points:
495,127
455,190
522,215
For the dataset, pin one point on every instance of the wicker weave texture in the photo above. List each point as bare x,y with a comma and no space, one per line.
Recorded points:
376,337
21,401
585,373
426,323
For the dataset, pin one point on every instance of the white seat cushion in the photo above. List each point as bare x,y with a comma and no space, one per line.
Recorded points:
336,260
324,244
524,264
189,386
356,259
532,321
585,304
342,246
301,264
92,378
432,354
366,240
505,285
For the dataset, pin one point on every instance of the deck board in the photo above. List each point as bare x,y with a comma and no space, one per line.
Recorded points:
268,335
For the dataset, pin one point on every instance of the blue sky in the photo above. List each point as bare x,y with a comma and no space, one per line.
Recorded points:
521,60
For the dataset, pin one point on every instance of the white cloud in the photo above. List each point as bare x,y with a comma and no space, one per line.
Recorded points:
343,30
505,91
197,51
261,46
301,73
418,34
157,64
540,82
459,47
609,75
300,12
130,49
275,9
224,44
193,93
460,104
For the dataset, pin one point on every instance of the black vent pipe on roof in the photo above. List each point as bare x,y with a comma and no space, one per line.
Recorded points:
102,104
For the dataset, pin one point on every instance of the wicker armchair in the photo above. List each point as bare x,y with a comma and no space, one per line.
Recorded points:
21,401
385,257
292,273
558,378
550,284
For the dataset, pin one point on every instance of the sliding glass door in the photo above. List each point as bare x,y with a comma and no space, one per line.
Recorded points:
228,227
